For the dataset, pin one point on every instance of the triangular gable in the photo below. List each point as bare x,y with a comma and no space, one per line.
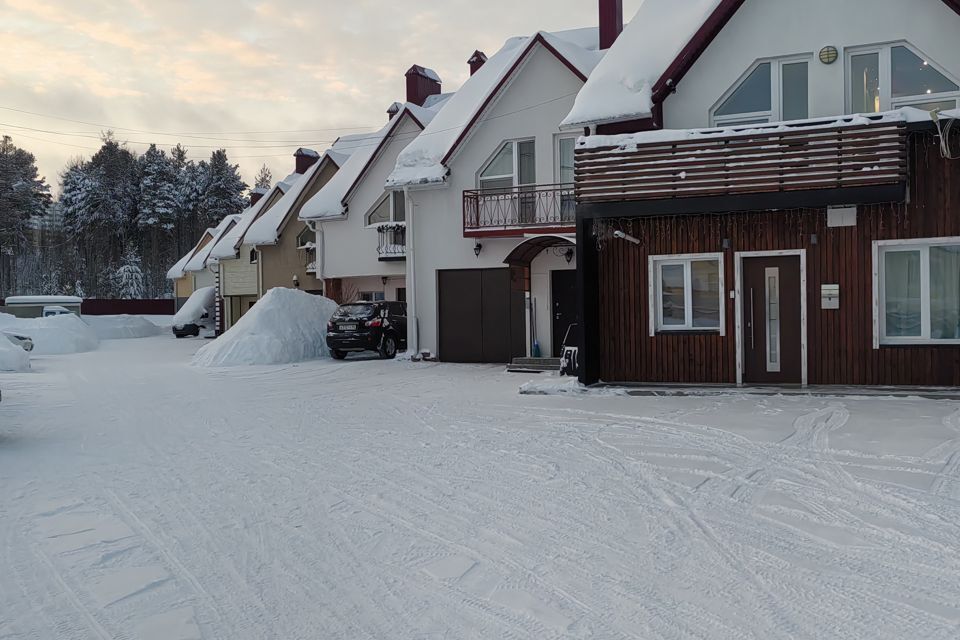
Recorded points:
394,125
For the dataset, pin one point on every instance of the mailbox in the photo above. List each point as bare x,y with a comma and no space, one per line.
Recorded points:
829,296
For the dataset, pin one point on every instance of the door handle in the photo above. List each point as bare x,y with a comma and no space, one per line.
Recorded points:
753,343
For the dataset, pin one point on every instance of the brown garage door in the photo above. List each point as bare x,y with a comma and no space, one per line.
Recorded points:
481,316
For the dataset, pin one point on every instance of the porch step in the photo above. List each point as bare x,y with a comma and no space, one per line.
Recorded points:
534,365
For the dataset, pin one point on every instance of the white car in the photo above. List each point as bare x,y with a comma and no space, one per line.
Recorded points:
22,341
55,310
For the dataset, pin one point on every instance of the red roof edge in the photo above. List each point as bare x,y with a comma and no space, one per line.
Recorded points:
503,81
702,39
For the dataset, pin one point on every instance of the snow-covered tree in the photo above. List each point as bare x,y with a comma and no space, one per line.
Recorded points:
128,280
24,196
223,195
264,179
157,205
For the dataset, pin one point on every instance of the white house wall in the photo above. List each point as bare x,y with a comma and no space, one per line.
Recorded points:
540,96
349,246
239,276
777,28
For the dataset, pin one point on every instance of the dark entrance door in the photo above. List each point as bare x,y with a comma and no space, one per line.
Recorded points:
772,351
481,316
563,290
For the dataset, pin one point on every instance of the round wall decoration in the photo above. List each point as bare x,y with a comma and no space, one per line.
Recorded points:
829,55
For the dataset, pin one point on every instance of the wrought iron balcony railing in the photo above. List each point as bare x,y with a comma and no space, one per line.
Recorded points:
518,210
392,241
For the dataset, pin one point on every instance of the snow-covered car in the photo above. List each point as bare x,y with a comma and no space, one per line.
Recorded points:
195,314
22,341
55,310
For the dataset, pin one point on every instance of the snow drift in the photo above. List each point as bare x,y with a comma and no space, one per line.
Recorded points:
12,357
65,333
122,327
285,326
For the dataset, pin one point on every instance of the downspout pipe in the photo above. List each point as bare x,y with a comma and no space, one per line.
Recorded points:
413,324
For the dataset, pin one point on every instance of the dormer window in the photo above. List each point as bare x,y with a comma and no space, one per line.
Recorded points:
390,209
513,165
307,239
254,256
894,76
770,91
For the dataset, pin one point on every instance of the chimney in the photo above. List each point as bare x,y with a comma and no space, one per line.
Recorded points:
421,84
256,194
476,61
393,110
611,22
305,158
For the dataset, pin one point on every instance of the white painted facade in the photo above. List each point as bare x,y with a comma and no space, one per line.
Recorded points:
347,247
771,29
531,106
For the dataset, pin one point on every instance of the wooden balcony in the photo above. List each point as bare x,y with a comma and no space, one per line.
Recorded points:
765,159
516,211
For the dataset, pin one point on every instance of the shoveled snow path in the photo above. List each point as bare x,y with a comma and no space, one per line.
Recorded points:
143,498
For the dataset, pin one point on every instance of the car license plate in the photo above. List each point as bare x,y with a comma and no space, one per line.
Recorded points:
348,327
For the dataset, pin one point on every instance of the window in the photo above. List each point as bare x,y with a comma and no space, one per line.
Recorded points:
514,164
772,90
565,176
391,209
372,296
254,256
687,293
401,294
917,284
895,76
307,239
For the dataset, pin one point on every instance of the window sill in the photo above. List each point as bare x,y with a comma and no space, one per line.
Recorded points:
688,332
919,343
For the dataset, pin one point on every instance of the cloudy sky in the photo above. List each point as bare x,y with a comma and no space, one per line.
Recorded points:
259,78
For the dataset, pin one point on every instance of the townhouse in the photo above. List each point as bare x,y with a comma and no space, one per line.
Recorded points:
197,269
768,192
358,227
487,193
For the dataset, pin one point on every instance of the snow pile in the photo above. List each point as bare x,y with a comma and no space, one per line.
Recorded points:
621,87
200,302
565,386
285,326
12,357
422,161
65,333
122,327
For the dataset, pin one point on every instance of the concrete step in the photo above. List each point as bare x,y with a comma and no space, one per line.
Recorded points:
534,365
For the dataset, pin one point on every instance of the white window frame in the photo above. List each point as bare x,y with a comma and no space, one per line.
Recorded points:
887,101
392,195
655,289
556,153
515,177
776,99
880,249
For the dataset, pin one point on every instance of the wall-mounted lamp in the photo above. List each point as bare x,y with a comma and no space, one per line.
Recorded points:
725,244
383,280
477,248
814,239
620,235
296,282
568,254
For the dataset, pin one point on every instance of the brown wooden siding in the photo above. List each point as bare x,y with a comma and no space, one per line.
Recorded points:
840,342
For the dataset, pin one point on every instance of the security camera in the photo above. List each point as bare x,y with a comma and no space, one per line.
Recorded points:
620,235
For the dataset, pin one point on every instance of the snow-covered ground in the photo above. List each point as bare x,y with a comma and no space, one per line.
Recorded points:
144,498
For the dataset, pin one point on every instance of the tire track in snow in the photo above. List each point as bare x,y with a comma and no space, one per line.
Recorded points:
947,482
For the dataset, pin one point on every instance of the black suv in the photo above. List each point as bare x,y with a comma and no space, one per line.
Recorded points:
368,326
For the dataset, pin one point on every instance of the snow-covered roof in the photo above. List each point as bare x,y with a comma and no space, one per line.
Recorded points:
329,201
310,153
621,87
201,258
630,141
13,301
176,271
226,247
424,160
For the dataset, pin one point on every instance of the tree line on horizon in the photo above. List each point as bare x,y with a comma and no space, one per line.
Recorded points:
120,220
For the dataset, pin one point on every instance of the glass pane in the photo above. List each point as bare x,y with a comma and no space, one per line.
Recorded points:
945,293
502,164
705,280
528,162
566,159
496,183
753,94
902,293
865,83
913,76
795,96
399,207
673,312
381,213
931,106
773,319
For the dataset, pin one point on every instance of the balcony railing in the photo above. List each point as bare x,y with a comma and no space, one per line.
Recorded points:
763,159
392,241
518,210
